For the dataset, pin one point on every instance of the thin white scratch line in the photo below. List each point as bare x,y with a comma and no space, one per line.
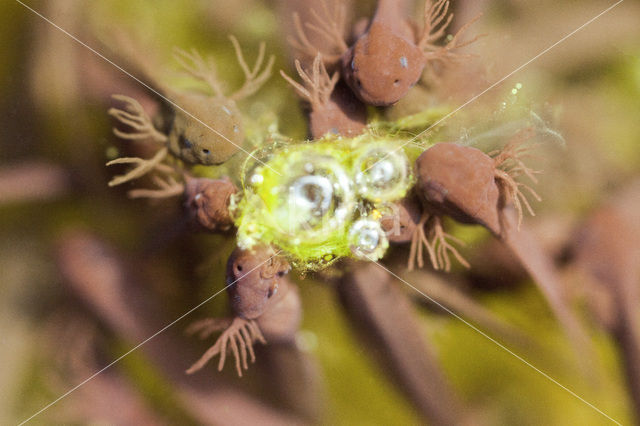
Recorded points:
142,343
501,346
498,82
144,84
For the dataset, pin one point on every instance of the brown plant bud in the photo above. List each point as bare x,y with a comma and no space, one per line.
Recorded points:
253,277
383,64
390,56
283,314
343,114
333,107
264,303
472,187
207,202
459,181
401,222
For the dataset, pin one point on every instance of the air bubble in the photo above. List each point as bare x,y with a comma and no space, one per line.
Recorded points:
315,200
367,239
257,179
308,168
382,173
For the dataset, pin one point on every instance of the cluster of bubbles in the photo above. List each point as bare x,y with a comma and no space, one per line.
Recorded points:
321,200
317,195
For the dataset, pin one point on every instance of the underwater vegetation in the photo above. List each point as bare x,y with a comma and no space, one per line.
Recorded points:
375,211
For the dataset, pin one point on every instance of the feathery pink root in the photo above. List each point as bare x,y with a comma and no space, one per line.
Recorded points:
239,336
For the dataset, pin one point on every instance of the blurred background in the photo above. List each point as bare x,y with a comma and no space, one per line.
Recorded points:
86,274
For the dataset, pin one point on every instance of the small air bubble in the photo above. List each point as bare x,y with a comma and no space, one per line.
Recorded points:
367,239
309,168
404,63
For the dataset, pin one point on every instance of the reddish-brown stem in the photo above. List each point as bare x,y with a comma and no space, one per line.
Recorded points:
98,275
384,318
447,294
627,333
393,13
33,181
526,248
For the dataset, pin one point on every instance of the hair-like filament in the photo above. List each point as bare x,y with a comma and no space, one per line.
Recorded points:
239,335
